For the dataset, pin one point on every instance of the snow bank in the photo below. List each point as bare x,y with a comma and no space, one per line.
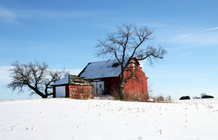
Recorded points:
66,119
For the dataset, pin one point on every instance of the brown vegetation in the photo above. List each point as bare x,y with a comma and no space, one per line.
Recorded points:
162,99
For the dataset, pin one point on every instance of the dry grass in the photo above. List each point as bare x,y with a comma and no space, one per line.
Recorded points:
162,99
115,92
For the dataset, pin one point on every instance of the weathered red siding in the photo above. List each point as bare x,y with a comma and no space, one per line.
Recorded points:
67,91
54,92
136,88
82,92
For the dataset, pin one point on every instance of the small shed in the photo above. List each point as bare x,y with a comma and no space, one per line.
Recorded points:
72,86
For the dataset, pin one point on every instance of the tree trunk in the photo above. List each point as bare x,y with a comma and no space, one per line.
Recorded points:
121,91
121,86
45,96
38,92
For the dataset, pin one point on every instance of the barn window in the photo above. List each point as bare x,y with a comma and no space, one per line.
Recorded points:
133,65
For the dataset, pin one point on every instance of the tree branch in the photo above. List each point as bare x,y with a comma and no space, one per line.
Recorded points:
126,44
35,76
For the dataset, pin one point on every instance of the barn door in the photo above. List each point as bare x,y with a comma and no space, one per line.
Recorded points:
94,90
60,92
98,88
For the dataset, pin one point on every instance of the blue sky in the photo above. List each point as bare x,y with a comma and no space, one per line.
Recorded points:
64,34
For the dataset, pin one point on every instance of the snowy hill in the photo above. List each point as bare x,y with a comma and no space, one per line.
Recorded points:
68,119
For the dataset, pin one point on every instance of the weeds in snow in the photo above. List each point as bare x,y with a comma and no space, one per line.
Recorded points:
160,131
12,129
162,99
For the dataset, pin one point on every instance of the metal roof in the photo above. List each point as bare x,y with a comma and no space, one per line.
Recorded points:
71,80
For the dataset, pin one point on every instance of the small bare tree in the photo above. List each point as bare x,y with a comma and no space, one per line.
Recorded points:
35,76
126,45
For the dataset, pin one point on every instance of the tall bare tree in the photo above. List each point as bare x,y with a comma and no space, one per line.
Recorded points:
36,76
127,44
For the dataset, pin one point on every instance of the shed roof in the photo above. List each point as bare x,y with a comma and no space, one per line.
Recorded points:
71,80
102,69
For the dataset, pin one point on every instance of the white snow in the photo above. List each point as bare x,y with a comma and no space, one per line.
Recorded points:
68,119
150,100
101,69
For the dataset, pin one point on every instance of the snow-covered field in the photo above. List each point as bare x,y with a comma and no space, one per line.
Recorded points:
60,119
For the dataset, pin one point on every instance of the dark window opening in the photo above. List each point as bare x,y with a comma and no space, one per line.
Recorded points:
115,64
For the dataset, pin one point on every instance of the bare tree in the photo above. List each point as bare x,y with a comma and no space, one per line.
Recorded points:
35,76
149,87
126,45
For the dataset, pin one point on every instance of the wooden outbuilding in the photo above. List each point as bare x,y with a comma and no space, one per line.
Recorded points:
105,77
72,86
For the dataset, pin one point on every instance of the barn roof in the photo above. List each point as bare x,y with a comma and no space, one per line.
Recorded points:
102,69
71,80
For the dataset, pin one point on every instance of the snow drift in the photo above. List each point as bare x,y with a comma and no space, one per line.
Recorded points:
68,119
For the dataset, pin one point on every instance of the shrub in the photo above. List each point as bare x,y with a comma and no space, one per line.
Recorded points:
207,96
185,98
168,99
114,92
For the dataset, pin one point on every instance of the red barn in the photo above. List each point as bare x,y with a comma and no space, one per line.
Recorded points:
105,75
72,86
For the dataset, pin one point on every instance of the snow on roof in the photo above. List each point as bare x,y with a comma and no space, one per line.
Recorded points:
63,81
71,80
101,69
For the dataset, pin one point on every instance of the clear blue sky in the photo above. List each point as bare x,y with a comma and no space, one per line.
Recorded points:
63,34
